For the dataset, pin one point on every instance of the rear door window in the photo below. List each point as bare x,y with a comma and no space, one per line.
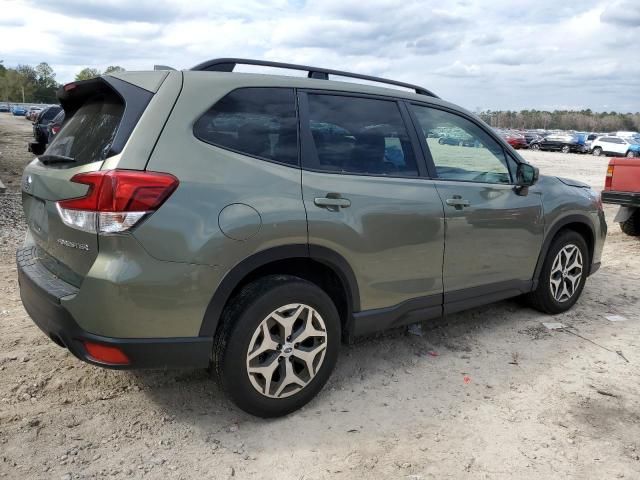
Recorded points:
88,135
260,122
359,135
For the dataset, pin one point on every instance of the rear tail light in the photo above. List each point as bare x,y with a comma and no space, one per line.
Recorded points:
106,354
55,129
116,199
609,178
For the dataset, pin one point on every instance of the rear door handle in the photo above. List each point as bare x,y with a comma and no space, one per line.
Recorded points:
332,202
458,202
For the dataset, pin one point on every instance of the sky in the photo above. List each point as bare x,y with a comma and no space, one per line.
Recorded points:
494,54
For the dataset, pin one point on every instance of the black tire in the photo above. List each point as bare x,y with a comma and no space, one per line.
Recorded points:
631,226
566,149
240,320
630,154
534,146
542,299
597,151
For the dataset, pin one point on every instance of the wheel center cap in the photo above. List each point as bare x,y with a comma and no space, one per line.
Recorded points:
287,349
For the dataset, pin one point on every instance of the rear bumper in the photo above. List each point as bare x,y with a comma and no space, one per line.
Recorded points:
41,293
628,199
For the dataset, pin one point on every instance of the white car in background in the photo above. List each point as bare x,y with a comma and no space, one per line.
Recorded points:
627,134
615,147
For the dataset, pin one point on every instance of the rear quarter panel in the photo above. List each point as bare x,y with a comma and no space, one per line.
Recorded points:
186,228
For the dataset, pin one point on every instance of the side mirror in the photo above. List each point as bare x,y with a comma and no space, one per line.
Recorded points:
526,175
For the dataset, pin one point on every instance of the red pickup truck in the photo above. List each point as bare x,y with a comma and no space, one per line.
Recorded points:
622,187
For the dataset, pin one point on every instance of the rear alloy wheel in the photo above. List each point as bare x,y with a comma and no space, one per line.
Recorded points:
597,151
534,146
563,274
566,149
282,359
277,346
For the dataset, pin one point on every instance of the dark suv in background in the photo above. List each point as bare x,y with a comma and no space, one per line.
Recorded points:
250,222
41,122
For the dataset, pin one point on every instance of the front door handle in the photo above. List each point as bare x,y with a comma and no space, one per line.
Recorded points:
333,202
458,202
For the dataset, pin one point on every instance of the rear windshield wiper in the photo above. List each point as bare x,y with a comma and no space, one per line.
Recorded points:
51,159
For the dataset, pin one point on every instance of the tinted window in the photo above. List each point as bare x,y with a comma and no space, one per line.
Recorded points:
460,149
87,136
360,135
256,121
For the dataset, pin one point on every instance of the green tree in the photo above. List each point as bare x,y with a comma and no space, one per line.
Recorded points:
87,73
46,84
113,69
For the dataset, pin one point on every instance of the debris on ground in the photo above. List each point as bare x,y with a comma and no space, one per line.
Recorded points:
616,318
554,325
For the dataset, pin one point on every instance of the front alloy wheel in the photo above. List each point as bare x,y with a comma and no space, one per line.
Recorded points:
286,350
563,274
566,149
566,273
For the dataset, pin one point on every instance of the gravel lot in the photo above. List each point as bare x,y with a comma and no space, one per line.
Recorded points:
488,393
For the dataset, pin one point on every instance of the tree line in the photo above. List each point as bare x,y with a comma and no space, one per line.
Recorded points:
583,120
38,84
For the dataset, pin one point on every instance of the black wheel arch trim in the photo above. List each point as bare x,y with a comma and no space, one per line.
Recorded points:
553,231
235,275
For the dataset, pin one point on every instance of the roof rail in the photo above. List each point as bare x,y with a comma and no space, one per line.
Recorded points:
229,64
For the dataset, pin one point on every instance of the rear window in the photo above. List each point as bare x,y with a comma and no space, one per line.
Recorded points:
260,122
87,136
49,113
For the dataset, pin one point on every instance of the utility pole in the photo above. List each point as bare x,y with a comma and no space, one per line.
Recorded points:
22,93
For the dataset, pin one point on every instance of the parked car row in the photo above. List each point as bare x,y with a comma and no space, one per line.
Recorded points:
622,143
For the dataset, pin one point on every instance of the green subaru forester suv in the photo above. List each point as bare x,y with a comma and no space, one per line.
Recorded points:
252,222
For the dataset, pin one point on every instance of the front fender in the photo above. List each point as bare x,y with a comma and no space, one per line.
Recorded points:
553,231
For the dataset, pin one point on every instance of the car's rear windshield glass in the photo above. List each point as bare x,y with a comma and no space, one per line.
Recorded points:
87,136
49,113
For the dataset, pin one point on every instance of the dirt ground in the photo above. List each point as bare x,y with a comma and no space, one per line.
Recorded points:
485,394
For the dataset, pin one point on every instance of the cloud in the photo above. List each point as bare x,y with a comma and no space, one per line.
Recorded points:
11,22
151,11
623,13
459,69
432,44
488,39
491,54
516,57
